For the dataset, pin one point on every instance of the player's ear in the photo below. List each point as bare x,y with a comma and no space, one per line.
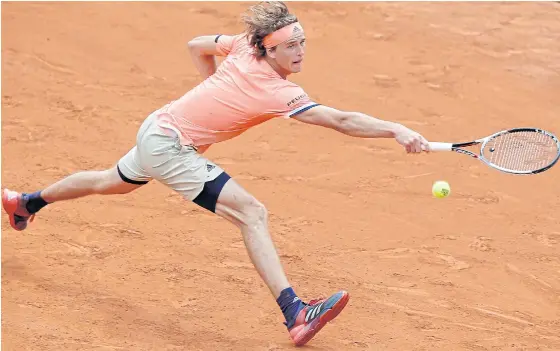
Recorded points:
271,52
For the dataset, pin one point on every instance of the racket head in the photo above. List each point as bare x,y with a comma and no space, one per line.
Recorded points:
521,150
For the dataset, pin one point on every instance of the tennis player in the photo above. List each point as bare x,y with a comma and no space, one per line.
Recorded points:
249,87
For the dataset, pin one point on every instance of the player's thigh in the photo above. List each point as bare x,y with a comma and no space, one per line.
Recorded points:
129,168
129,171
113,183
206,184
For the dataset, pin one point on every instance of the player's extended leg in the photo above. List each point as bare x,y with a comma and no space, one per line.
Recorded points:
107,182
123,178
303,320
22,208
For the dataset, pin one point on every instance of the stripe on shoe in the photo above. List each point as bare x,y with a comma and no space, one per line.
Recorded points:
313,312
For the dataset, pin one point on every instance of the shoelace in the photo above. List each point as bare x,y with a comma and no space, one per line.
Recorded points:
315,301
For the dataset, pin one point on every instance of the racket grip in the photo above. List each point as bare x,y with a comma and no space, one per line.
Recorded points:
440,146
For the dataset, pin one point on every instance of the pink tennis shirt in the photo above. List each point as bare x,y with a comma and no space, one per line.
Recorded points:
244,92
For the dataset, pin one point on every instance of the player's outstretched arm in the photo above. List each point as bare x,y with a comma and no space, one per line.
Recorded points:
360,125
203,50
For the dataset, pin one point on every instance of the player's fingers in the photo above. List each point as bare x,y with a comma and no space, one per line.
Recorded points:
416,147
425,145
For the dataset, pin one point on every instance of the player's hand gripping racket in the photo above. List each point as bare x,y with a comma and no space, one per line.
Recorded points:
517,151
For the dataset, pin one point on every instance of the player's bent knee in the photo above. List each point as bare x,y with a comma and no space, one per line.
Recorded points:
240,207
254,213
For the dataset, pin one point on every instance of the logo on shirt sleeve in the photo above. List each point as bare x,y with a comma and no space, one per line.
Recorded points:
296,99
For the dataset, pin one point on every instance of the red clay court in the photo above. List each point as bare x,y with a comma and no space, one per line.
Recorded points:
479,270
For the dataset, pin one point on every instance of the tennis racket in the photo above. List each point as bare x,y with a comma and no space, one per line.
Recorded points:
518,150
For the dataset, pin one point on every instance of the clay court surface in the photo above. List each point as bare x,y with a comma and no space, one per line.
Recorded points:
479,270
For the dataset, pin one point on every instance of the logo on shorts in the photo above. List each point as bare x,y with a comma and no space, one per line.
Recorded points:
210,167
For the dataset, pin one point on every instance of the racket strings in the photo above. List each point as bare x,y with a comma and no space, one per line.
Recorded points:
521,151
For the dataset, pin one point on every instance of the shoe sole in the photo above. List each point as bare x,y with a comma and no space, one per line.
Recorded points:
324,319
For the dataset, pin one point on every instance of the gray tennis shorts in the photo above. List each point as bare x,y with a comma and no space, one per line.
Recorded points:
159,155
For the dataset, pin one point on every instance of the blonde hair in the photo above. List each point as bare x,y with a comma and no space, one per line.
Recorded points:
264,18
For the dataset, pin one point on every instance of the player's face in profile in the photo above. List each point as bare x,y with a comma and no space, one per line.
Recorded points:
289,55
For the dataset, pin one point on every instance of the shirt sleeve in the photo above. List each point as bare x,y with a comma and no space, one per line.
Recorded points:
225,44
291,100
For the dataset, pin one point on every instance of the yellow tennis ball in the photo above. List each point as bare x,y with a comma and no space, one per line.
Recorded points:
441,189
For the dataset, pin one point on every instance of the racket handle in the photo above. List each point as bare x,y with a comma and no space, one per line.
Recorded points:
440,146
